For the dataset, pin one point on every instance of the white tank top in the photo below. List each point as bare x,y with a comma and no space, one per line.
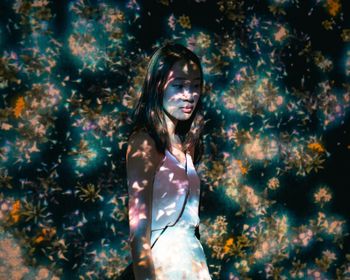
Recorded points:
170,185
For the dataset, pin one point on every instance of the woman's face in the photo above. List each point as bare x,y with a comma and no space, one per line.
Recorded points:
182,90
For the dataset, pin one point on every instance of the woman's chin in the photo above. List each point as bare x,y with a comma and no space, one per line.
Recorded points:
184,117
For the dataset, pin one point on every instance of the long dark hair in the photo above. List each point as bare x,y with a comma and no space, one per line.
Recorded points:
149,115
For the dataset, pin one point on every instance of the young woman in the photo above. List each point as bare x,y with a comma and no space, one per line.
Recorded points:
163,185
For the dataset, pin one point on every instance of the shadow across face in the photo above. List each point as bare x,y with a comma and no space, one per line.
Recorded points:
182,90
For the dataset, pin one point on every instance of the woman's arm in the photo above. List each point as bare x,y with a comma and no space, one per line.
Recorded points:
142,160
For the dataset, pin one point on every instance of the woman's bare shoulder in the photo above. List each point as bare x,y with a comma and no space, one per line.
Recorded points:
141,143
140,138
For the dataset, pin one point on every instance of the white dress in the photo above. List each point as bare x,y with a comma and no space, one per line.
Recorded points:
177,254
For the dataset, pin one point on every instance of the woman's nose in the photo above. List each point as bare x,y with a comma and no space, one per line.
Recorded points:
188,89
188,94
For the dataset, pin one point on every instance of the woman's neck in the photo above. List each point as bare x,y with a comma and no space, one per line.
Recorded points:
174,139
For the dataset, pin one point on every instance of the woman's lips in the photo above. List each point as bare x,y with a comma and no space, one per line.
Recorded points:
187,109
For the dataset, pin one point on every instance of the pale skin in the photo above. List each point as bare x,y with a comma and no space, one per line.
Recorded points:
182,88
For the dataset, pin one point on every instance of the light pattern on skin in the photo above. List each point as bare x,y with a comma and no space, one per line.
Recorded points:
181,88
136,211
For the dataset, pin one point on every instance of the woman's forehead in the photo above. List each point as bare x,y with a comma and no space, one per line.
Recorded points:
184,69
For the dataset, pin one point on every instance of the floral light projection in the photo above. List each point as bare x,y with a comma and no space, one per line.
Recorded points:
275,95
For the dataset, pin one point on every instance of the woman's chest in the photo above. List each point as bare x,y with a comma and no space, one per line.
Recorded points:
171,184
